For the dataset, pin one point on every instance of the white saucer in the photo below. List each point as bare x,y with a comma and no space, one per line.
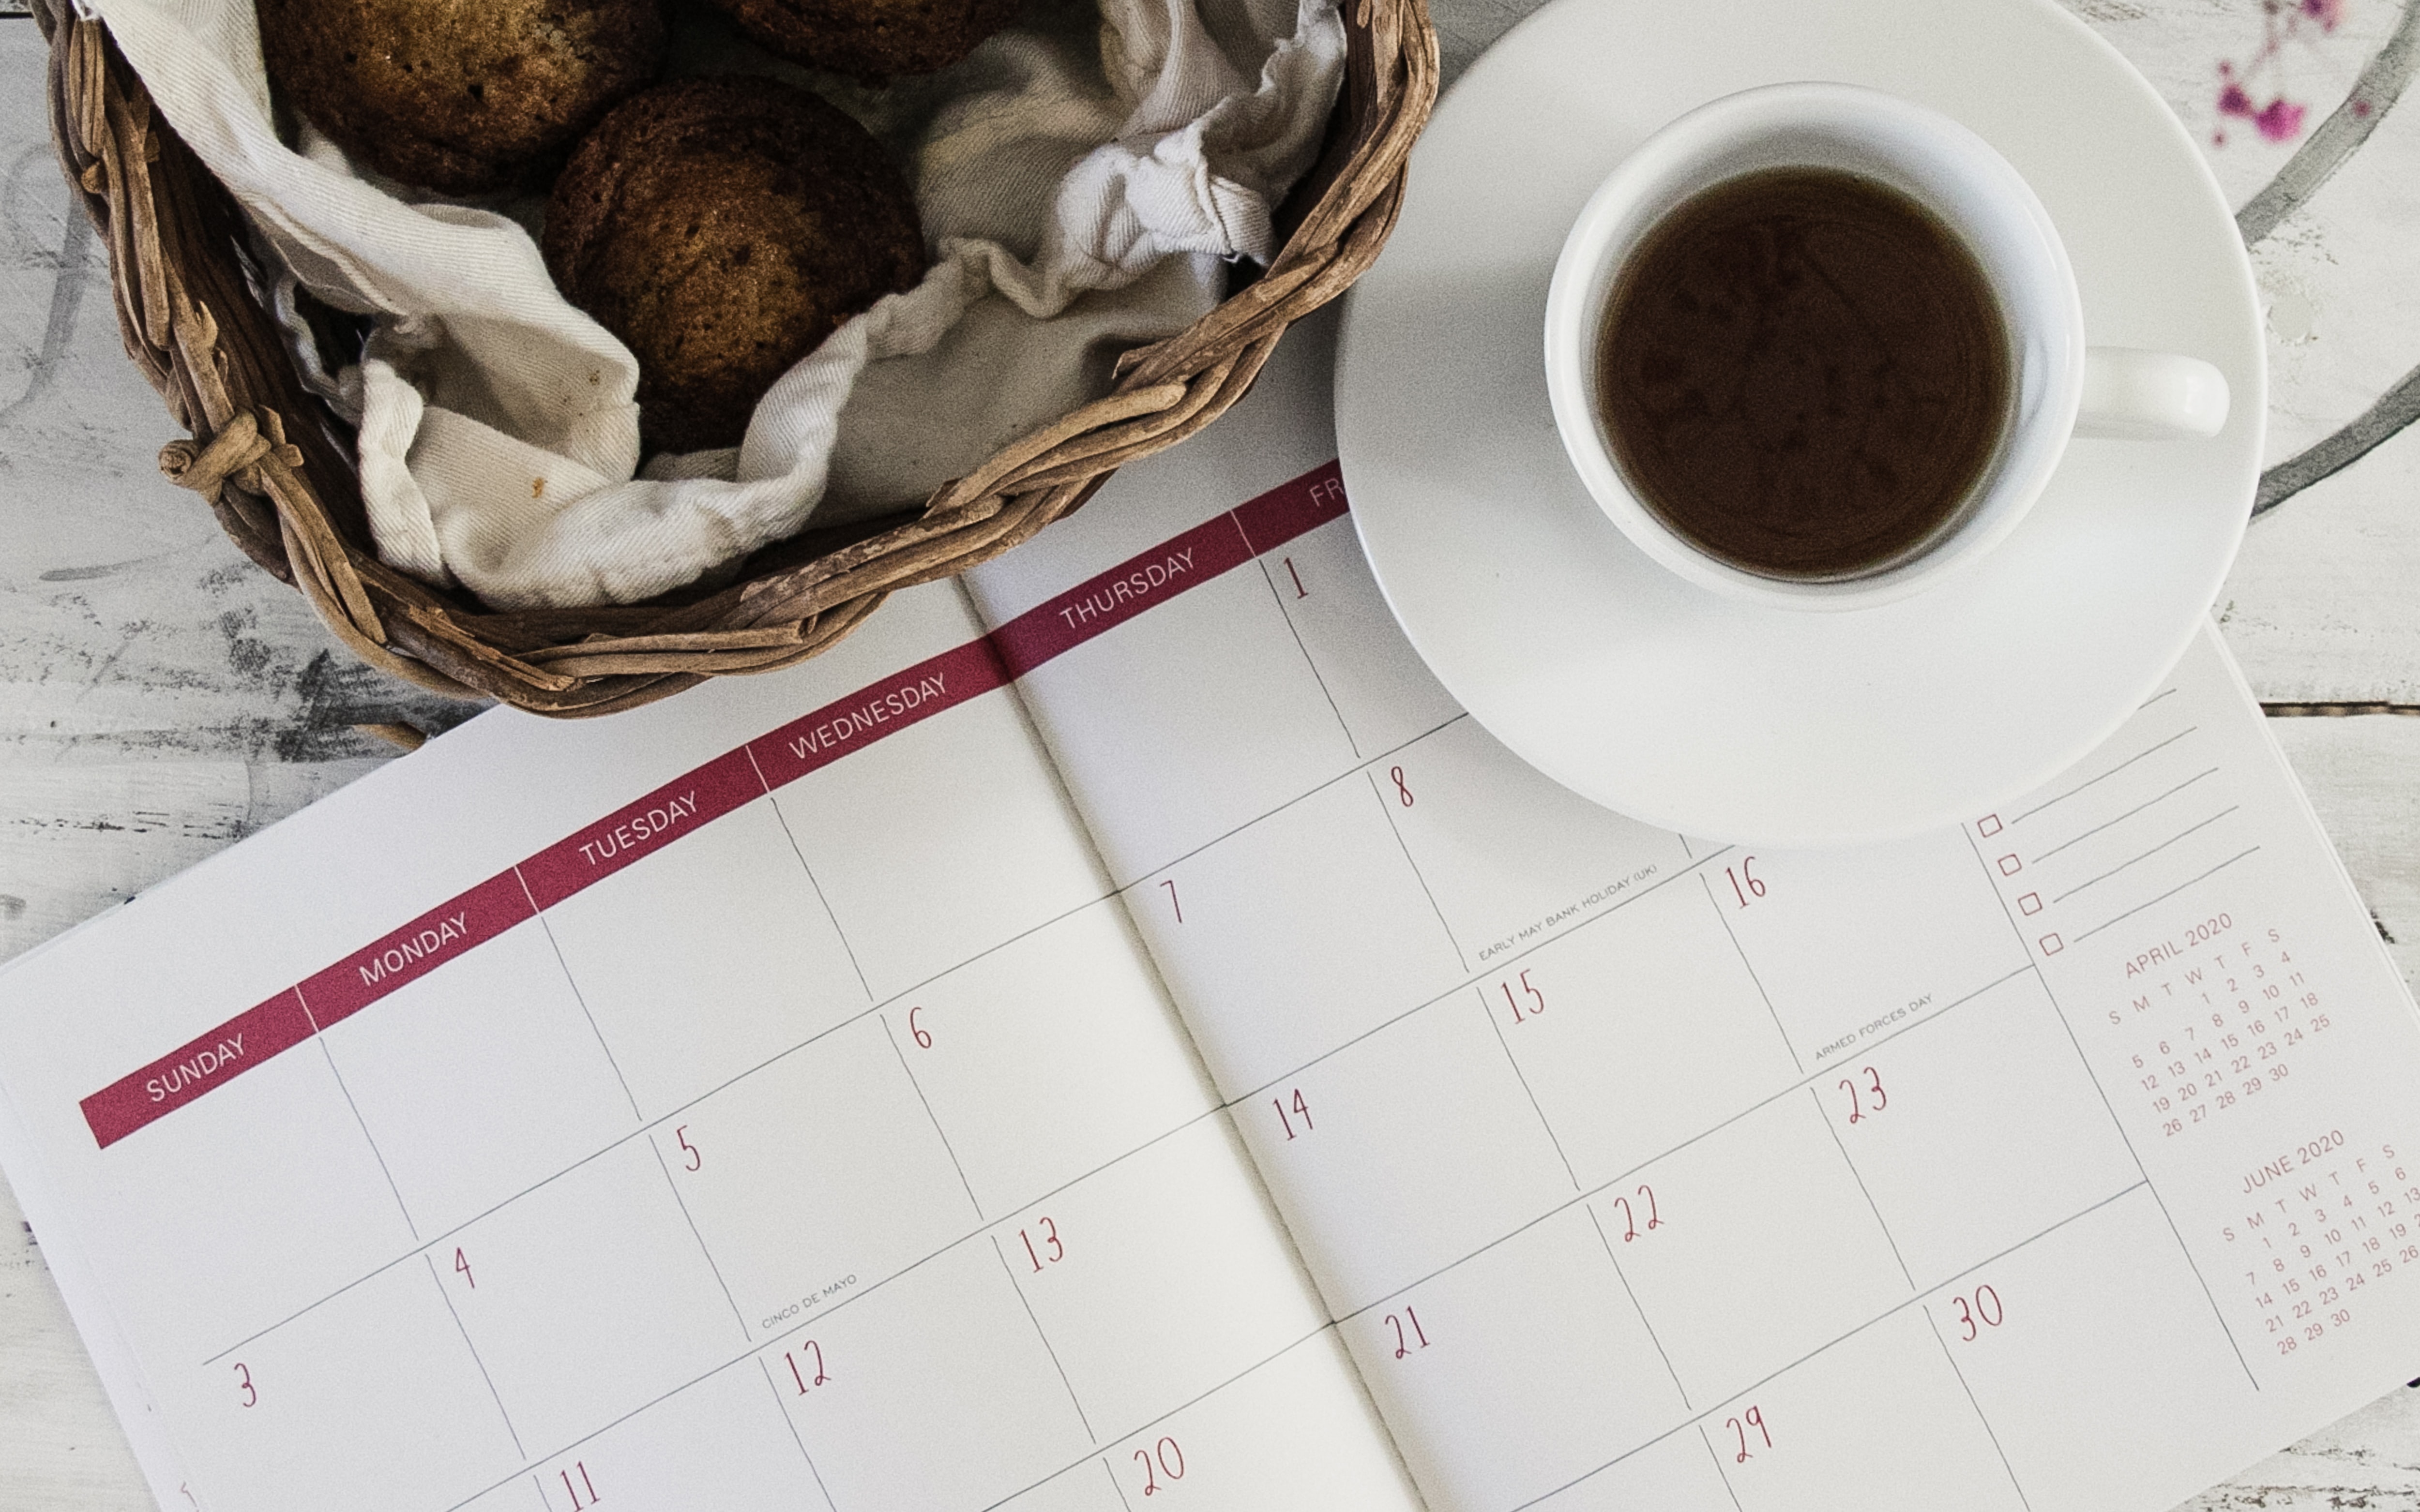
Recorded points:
1688,709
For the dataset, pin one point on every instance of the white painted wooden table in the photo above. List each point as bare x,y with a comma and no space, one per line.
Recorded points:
159,698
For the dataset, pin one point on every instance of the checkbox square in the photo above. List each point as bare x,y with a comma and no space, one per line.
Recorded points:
2009,865
2029,904
1987,825
2052,944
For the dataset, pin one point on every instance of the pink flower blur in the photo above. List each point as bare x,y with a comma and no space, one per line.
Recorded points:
2279,121
2284,22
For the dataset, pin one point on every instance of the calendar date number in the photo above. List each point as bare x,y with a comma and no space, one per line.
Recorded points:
1978,1310
806,1364
1864,1095
1043,1246
1290,1114
1162,1462
1638,1217
1741,1426
1527,1001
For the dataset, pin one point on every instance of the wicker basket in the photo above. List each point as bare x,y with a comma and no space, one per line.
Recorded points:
277,468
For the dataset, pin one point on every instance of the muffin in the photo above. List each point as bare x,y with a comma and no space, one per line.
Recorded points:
460,96
871,39
723,227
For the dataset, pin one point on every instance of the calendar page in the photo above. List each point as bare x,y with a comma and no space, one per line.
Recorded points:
758,1100
2067,1159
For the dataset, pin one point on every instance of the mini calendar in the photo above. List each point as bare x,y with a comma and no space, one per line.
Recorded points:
1113,1035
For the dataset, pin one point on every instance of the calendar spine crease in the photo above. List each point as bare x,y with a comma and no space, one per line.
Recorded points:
737,778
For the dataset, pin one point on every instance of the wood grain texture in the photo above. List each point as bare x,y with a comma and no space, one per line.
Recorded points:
60,1446
159,698
2324,601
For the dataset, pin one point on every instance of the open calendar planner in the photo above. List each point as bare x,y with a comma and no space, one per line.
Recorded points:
1113,1035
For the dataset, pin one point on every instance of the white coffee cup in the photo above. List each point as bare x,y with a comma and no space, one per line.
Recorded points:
2060,389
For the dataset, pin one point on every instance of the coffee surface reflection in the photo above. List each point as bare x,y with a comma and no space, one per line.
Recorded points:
1805,372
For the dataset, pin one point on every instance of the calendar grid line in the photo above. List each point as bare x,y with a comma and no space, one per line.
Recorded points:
582,998
1740,951
2107,774
787,1421
1859,1176
1113,1484
2225,1329
931,1117
989,663
1214,1111
1720,1475
454,1313
1261,562
1460,955
2123,817
935,1399
1698,1419
590,1303
1149,1423
987,951
652,1124
1627,1291
377,1154
2076,1042
1980,1417
1041,1333
756,1348
1252,1094
747,1335
822,902
1307,794
1143,581
1281,509
1487,1011
1804,1083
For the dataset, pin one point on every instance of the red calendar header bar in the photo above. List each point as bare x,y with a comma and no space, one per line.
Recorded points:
416,949
729,781
1152,578
641,828
1111,599
878,709
187,1071
1293,509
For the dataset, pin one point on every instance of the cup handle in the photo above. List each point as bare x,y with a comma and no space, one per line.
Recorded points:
2150,396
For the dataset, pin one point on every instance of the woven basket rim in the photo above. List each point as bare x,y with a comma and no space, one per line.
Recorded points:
277,468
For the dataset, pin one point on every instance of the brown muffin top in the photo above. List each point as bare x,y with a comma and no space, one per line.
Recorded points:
723,227
461,96
872,39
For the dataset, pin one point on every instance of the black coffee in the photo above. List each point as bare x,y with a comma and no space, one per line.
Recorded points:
1805,372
